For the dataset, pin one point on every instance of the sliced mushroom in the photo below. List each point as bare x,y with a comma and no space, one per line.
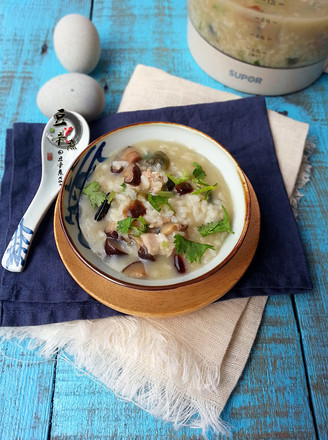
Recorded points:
118,166
114,235
135,270
144,254
135,209
151,242
132,175
135,239
110,227
154,230
158,158
183,188
169,228
130,154
111,248
142,250
179,264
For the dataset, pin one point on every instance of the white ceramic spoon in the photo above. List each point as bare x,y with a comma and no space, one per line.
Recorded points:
64,137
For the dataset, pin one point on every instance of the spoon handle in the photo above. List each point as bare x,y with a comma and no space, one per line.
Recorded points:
15,255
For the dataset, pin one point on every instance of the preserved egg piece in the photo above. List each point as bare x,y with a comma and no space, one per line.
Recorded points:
135,270
135,209
169,186
144,254
103,209
130,154
179,263
132,175
111,248
158,158
183,188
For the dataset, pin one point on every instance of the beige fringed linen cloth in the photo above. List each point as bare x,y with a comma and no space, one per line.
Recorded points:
180,369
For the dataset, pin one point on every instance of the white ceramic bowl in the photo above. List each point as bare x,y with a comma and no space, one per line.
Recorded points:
101,148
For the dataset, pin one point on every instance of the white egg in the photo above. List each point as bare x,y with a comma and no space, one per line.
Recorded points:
77,43
72,91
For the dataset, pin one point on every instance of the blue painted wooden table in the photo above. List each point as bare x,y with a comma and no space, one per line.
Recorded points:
283,392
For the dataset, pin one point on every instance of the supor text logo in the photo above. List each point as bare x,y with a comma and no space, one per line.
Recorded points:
244,77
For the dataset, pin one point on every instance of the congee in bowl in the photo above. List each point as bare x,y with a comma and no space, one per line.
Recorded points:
155,205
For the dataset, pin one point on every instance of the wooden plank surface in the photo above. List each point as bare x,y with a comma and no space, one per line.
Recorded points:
282,393
311,310
269,402
27,60
26,390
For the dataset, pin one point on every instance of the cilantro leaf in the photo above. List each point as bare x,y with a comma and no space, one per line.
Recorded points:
215,227
95,195
156,200
204,189
167,194
123,226
138,230
192,250
198,173
198,176
129,224
178,180
123,185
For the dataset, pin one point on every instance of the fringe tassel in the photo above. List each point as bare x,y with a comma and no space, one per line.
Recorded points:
303,177
157,373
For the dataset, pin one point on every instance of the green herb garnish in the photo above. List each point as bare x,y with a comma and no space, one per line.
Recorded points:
138,230
178,180
215,227
110,196
123,185
157,200
198,176
165,244
95,195
205,189
136,226
167,194
123,226
193,251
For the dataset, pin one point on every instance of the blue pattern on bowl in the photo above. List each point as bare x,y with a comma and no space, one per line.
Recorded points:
76,183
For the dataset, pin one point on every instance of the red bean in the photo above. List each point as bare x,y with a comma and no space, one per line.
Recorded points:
183,188
135,209
179,263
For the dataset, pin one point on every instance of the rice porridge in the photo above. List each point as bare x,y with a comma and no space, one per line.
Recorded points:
282,34
155,210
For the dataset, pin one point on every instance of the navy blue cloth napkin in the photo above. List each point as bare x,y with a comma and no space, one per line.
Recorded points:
45,292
